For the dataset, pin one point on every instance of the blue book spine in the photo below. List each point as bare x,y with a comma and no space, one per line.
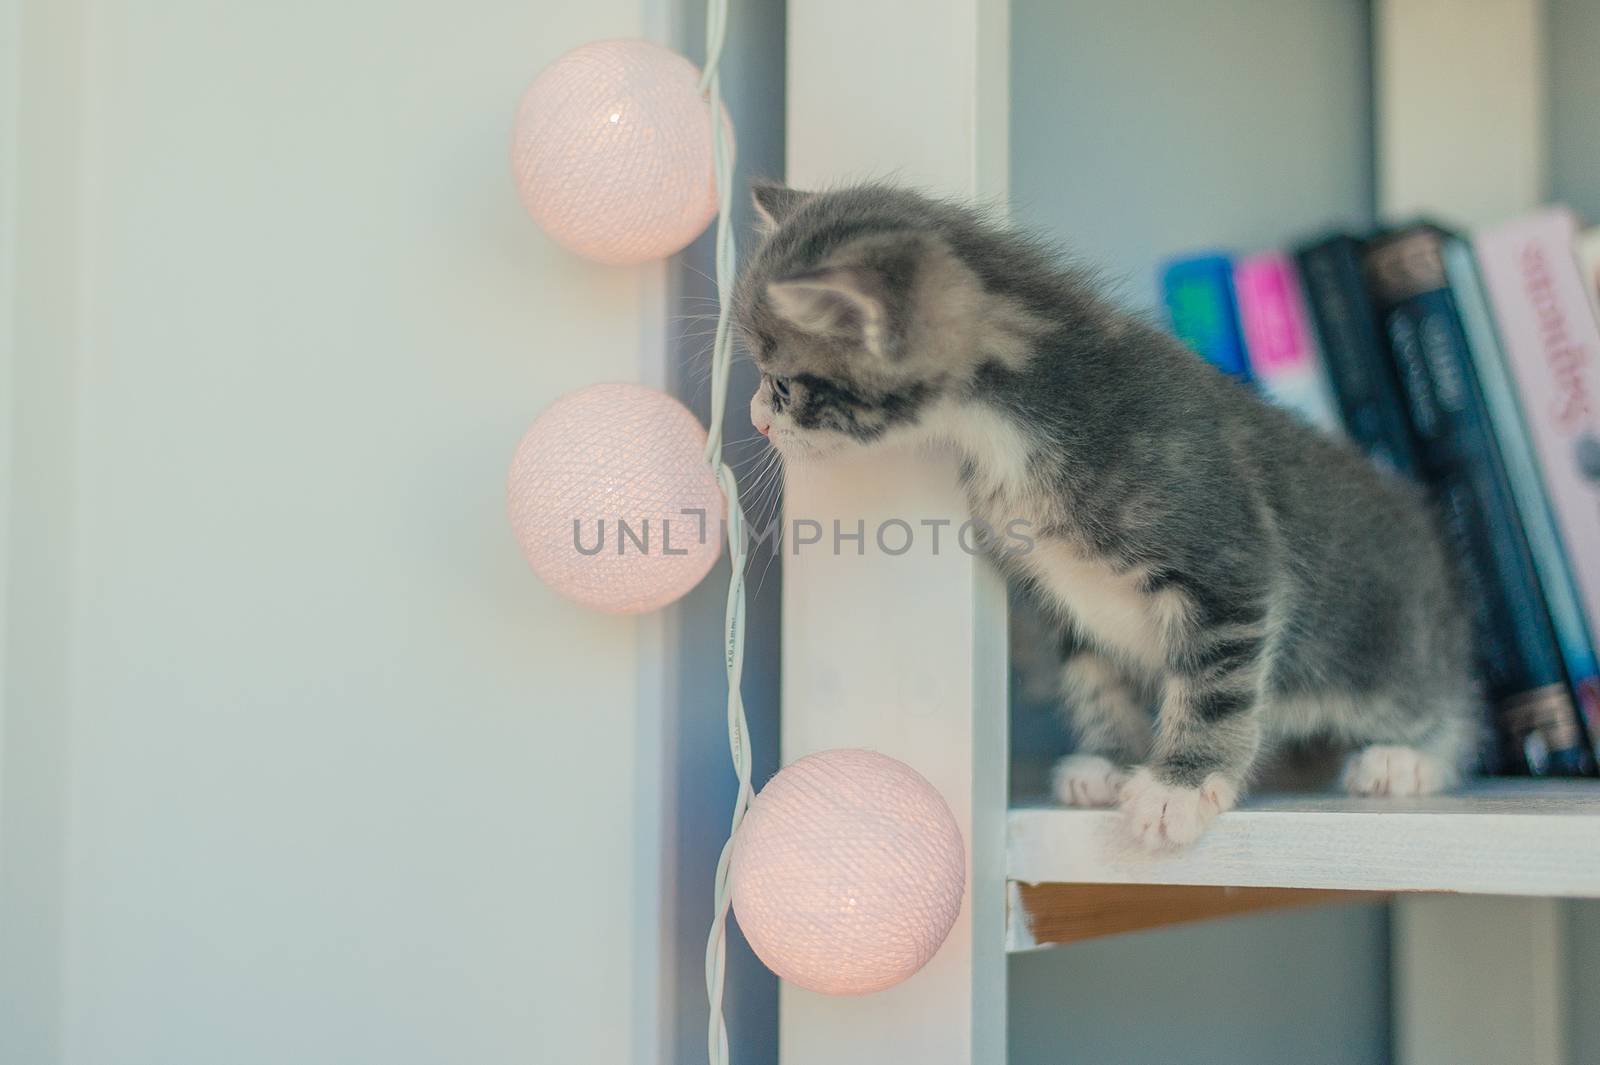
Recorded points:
1198,291
1355,352
1499,390
1538,723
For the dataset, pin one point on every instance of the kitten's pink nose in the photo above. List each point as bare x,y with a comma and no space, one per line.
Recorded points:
760,417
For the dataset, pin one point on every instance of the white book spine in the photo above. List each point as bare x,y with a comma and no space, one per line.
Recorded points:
1551,337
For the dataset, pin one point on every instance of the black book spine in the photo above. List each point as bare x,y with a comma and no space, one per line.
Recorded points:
1356,354
1536,717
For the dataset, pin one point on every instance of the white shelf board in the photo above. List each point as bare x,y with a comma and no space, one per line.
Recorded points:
1497,837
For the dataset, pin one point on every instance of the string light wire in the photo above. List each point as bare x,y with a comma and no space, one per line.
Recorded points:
733,645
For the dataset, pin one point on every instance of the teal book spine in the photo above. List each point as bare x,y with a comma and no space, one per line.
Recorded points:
1199,296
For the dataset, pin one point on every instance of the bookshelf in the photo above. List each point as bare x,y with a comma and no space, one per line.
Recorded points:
1480,959
1133,131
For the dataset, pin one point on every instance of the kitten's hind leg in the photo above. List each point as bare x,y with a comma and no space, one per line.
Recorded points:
1108,718
1400,769
1417,741
1393,770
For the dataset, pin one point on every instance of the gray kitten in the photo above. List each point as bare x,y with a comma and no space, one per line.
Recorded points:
1260,583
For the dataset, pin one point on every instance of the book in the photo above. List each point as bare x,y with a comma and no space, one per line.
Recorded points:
1552,347
1561,593
1355,353
1537,722
1284,361
1198,292
1589,262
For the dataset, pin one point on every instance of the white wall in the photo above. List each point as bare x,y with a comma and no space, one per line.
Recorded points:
1143,129
300,761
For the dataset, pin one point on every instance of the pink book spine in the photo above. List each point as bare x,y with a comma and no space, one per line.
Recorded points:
1284,360
1551,337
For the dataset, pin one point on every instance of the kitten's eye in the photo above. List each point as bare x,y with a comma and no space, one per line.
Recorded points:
780,387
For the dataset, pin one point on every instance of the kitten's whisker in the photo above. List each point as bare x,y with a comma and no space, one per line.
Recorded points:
701,274
753,498
772,551
769,491
760,486
748,441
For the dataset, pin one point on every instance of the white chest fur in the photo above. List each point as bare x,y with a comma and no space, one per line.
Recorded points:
1111,609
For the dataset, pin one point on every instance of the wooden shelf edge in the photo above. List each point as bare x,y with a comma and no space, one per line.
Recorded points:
1045,915
1530,838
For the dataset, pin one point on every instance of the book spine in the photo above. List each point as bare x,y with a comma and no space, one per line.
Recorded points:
1538,724
1284,361
1561,592
1552,347
1358,364
1198,292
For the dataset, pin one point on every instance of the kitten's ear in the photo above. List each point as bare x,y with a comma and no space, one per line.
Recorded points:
864,293
774,203
836,301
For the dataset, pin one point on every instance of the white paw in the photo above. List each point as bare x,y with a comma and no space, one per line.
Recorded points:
1087,780
1396,772
1160,815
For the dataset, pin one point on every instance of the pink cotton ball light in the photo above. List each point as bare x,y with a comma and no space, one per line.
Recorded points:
612,152
626,464
848,872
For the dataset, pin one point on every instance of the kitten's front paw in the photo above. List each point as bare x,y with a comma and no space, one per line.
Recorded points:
1396,771
1087,780
1160,816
